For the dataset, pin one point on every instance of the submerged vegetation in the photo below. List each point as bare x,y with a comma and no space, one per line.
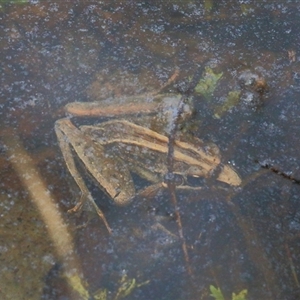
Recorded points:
208,83
126,287
218,295
51,51
13,1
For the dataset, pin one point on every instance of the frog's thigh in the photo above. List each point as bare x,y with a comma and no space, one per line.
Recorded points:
111,174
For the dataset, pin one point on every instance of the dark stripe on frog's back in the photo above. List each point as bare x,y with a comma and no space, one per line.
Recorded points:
117,131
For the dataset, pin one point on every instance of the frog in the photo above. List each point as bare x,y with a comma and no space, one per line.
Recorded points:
131,137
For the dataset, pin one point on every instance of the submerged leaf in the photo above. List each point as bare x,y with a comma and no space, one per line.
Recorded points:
78,285
127,286
232,100
13,1
100,294
216,293
208,5
207,85
240,296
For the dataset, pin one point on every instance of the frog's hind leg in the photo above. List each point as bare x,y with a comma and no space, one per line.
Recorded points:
66,150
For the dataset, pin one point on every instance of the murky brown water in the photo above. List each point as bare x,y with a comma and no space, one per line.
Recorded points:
235,238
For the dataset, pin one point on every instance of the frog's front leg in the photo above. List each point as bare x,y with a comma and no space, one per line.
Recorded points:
110,173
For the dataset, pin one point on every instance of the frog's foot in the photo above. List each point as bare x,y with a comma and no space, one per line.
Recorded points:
99,212
101,215
76,208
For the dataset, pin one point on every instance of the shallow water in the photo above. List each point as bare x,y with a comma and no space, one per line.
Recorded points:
235,238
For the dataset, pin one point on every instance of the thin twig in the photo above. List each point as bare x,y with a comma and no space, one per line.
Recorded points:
293,268
172,186
170,164
278,172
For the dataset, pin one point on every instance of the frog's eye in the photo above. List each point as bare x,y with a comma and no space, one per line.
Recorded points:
196,171
195,181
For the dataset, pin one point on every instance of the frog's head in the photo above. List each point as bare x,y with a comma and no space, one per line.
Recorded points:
224,173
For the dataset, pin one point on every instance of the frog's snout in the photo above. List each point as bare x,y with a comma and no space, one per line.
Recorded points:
229,176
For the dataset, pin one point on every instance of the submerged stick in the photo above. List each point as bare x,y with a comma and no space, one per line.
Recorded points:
170,162
170,182
42,199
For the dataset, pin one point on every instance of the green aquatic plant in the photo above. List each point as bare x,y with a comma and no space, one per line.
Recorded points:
218,295
232,99
78,285
13,1
208,5
126,287
207,85
3,3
